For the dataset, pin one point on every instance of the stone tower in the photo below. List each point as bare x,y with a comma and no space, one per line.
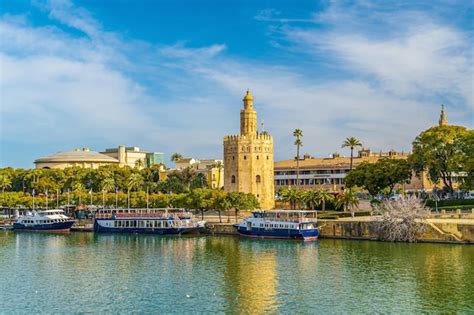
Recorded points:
443,121
248,159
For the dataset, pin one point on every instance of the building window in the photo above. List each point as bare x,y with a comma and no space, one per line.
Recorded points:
233,158
258,179
232,179
267,157
245,157
257,157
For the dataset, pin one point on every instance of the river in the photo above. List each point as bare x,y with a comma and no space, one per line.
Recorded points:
87,273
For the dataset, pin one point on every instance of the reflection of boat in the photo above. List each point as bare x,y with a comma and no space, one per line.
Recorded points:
147,221
286,224
44,220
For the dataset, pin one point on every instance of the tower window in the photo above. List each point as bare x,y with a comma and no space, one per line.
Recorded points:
258,179
233,157
245,157
257,157
267,157
232,179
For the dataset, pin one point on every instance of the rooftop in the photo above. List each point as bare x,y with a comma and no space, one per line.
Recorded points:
77,155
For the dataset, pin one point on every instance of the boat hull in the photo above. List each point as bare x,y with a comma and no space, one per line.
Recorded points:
307,235
49,227
156,231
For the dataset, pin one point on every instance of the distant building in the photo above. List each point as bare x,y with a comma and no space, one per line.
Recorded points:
329,173
325,173
248,158
133,156
79,157
209,167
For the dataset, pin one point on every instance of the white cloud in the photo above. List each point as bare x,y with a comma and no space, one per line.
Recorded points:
101,90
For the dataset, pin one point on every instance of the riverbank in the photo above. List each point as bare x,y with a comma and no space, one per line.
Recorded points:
459,231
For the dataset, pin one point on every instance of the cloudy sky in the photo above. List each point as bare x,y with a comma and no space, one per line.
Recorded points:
169,76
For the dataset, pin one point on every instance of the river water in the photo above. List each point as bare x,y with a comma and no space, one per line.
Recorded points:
87,273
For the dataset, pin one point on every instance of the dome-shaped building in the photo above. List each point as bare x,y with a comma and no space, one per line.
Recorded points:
78,157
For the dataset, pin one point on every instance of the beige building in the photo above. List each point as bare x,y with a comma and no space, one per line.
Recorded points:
212,169
78,157
134,157
248,159
329,173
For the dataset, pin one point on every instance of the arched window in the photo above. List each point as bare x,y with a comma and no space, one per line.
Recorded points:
232,179
257,157
258,179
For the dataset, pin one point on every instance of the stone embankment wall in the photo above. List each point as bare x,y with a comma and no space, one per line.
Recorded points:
437,231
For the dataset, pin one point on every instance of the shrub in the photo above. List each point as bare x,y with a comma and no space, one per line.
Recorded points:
450,203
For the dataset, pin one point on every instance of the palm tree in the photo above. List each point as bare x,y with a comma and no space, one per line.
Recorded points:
347,200
107,184
5,182
293,196
219,166
140,163
298,133
176,157
351,142
310,199
135,181
324,196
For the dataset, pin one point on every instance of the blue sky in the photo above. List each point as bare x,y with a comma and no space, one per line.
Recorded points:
169,76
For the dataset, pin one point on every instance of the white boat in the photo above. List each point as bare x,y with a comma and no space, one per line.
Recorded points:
284,224
44,220
147,221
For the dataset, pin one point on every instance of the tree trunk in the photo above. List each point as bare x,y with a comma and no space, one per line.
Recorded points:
324,205
202,214
352,156
297,166
220,220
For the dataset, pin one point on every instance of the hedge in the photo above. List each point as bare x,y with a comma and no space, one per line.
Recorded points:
450,203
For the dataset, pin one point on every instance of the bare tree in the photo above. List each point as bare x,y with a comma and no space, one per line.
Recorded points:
402,220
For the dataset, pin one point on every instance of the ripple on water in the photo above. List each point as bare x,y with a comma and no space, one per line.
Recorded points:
82,272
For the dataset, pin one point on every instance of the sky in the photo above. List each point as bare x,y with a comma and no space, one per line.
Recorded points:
169,76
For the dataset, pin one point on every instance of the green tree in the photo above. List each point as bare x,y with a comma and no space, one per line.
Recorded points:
441,153
198,181
5,182
140,163
292,196
375,177
310,198
175,157
324,196
347,200
468,161
351,143
298,134
220,202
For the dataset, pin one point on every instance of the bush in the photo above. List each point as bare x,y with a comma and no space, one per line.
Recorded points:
450,203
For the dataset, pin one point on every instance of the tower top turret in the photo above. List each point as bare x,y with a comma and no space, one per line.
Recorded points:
443,121
248,100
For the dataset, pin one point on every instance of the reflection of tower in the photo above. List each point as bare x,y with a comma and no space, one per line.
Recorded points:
250,277
248,158
443,121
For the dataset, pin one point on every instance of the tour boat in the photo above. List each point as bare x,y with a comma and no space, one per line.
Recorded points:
147,221
43,221
283,224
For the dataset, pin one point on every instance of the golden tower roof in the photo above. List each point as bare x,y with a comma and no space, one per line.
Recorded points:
248,96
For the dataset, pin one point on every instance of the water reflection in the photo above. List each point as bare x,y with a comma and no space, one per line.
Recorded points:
83,272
